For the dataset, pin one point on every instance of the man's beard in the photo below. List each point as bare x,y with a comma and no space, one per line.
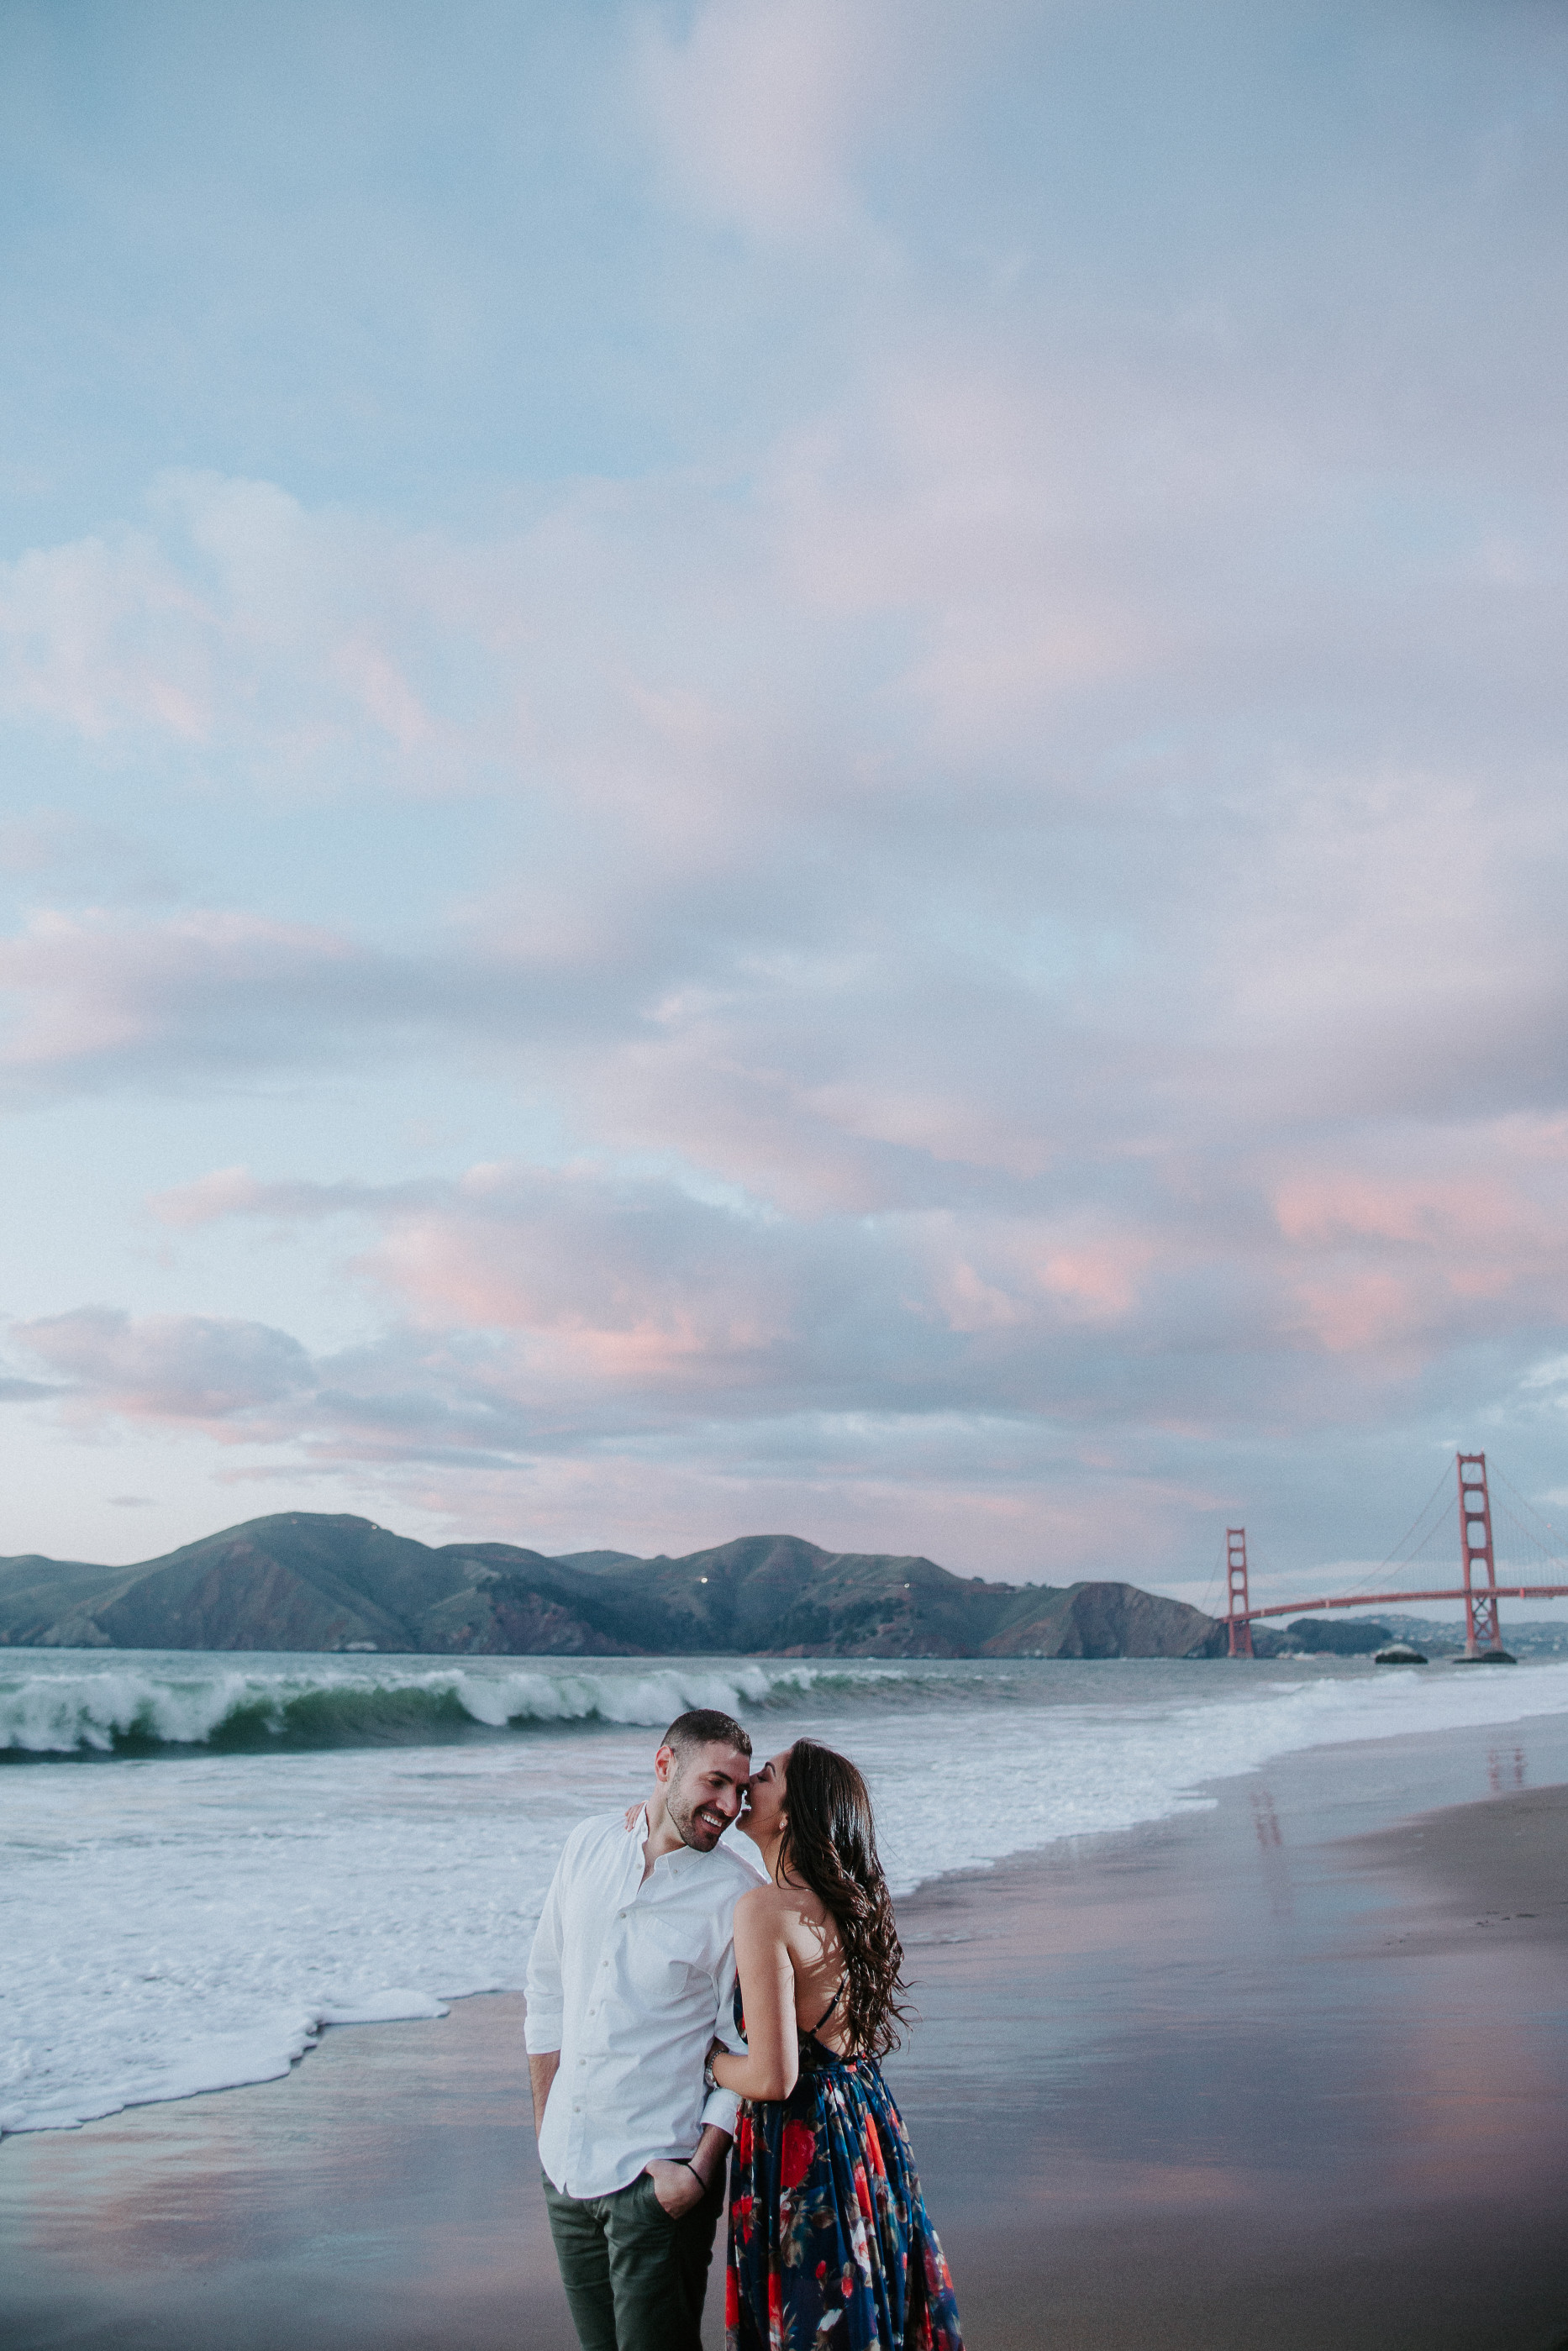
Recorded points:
682,1811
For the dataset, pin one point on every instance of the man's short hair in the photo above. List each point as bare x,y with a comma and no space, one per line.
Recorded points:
704,1727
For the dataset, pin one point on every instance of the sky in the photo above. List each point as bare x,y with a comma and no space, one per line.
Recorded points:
785,765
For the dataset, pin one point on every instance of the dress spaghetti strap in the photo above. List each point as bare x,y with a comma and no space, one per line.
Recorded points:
830,2008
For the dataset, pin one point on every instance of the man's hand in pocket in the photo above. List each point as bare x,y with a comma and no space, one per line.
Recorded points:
678,2189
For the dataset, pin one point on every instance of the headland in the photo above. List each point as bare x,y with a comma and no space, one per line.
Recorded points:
304,1579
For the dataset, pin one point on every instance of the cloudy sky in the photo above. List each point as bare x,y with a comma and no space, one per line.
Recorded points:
784,764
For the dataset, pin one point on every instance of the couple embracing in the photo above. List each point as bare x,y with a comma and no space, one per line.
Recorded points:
680,2005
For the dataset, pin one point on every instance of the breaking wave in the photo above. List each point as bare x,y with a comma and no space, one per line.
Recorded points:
142,1710
190,1924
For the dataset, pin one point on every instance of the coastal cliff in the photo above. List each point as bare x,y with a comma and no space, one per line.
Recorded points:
304,1579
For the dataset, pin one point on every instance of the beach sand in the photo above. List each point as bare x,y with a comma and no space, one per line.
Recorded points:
1267,2091
1288,2072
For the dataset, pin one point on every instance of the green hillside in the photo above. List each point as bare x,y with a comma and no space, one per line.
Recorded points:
302,1580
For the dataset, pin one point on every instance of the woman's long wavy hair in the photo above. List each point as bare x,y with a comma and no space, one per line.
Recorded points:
829,1844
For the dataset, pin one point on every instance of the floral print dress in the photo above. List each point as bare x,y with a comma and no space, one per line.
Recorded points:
830,2245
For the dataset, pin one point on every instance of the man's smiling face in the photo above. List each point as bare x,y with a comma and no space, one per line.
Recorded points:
703,1795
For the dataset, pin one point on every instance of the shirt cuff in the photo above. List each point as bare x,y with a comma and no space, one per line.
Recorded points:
541,2031
722,2108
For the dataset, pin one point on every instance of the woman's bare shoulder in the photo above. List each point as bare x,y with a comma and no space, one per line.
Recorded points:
778,1910
760,1903
785,1909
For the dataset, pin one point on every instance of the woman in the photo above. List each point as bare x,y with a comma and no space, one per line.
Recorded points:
829,2239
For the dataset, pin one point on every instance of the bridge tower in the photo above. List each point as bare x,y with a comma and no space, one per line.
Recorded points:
1238,1602
1482,1632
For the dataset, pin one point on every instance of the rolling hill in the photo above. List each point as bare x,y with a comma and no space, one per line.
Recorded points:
304,1579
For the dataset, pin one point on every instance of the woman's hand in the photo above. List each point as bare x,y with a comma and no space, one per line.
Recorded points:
677,2187
633,1815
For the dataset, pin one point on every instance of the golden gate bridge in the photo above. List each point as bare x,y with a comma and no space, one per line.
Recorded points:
1479,1587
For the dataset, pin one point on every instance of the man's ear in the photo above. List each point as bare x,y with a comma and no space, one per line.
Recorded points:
664,1766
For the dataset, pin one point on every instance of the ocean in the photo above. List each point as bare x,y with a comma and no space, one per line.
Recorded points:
206,1859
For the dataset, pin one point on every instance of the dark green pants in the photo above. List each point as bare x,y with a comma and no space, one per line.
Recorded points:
634,2279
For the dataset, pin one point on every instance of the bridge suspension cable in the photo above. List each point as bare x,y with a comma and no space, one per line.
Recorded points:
1215,1578
1550,1552
1414,1541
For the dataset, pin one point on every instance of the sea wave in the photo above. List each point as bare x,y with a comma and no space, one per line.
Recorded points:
137,1710
193,1923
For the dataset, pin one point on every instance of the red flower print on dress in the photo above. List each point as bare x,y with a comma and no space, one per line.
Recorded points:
800,2145
743,2137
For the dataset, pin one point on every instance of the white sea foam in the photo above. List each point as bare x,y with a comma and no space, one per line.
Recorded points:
49,1708
190,1920
1004,1787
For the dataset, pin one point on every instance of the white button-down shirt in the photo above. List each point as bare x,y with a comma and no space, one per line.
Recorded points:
630,1979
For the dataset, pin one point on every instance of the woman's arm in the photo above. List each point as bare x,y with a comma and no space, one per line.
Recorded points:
772,2065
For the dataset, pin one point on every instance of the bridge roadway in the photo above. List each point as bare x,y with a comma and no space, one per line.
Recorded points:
1388,1599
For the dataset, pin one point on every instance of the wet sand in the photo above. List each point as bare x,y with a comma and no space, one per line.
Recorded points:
1289,2073
1270,2090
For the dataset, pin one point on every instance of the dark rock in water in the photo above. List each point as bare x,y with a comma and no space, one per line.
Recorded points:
1486,1658
1399,1653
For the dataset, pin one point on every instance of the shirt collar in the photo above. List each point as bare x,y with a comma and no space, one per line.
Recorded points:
672,1862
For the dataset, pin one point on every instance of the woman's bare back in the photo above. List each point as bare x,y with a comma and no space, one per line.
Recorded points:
810,1934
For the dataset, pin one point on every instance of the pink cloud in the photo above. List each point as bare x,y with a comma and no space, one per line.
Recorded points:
1369,1313
104,635
100,988
756,109
612,1285
168,1368
1427,1212
240,624
1413,1261
1100,1282
1033,1273
634,1291
226,1192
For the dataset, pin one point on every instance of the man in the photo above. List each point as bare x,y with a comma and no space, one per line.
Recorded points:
631,1975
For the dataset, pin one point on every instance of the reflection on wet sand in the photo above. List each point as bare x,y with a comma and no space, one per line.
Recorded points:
1281,2086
